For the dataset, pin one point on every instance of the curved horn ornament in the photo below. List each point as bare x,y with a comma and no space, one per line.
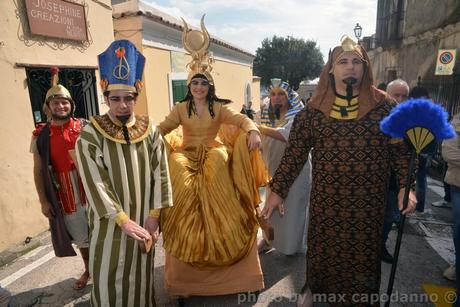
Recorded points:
196,43
185,35
206,36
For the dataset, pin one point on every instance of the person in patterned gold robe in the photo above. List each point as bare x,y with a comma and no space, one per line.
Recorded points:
123,165
351,160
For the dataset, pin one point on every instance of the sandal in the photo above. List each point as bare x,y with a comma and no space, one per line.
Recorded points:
263,247
82,281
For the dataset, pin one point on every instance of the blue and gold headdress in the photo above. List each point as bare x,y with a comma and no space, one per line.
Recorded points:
121,67
295,103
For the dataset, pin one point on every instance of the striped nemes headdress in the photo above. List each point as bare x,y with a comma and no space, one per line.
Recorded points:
295,103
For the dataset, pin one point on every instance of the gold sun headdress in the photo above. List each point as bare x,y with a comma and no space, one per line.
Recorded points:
197,43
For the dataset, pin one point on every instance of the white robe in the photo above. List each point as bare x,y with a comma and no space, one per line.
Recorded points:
291,229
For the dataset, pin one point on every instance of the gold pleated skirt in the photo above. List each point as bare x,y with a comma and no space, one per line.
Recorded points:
212,222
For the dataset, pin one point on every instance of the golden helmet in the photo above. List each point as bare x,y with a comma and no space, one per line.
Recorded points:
57,90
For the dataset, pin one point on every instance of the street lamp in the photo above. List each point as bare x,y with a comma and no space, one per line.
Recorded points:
358,30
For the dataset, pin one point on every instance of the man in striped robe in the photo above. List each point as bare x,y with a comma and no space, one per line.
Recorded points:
123,165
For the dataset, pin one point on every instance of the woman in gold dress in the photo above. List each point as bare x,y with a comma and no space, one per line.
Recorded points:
210,231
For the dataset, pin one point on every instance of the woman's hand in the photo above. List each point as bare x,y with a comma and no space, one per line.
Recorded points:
253,140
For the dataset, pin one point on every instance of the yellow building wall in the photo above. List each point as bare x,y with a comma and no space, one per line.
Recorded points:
20,214
157,68
230,80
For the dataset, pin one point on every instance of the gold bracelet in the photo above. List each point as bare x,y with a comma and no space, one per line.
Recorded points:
121,218
155,213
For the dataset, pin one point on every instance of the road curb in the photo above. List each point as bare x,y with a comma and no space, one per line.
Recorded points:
16,251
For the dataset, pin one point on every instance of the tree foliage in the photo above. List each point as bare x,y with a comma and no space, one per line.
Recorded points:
288,58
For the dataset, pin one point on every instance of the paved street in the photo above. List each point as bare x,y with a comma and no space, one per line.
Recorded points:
40,279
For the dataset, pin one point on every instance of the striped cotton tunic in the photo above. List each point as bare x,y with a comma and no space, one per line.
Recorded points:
121,179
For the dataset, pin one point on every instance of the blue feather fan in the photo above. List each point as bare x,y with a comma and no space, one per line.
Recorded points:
420,112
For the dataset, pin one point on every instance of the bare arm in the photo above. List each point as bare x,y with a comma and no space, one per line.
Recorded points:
271,132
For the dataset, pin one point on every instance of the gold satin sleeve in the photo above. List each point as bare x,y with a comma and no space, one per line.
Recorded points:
231,117
171,122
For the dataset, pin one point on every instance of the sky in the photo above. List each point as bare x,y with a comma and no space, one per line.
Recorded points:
245,23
